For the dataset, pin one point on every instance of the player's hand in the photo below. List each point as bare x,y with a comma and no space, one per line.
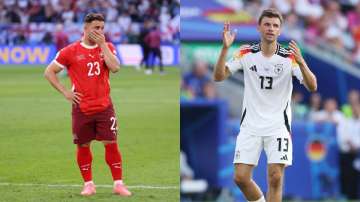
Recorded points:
97,37
73,97
228,36
294,48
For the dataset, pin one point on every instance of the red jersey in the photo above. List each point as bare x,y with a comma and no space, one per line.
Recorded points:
88,73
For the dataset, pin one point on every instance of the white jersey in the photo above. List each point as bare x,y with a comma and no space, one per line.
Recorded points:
268,87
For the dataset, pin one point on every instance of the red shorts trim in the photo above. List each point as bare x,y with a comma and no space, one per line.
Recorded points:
99,126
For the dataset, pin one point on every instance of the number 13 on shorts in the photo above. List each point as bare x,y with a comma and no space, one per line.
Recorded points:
278,148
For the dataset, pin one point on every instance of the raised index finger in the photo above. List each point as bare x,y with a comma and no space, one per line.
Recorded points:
226,26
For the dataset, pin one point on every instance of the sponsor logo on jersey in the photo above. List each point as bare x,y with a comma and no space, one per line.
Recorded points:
253,68
80,57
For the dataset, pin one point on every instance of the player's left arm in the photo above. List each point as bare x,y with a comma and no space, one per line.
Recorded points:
111,61
309,78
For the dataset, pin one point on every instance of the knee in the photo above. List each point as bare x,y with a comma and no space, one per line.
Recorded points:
275,179
241,180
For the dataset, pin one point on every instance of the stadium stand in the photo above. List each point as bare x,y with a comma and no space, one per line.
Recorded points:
33,21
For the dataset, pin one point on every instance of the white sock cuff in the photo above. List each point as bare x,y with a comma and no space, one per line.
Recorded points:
89,182
118,182
261,199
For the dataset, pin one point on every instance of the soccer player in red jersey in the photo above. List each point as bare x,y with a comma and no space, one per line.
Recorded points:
88,62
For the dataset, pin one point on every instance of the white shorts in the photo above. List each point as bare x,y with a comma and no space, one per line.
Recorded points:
278,148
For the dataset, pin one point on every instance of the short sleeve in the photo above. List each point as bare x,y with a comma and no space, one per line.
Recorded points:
236,62
62,58
112,48
295,69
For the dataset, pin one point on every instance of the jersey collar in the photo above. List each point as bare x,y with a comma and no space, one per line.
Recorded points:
87,46
277,48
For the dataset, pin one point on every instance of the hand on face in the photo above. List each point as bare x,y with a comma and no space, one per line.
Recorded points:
97,37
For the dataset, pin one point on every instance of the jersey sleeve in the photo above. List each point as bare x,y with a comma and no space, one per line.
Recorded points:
295,69
236,62
112,48
62,58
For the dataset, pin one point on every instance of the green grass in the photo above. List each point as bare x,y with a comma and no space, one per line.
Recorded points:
36,142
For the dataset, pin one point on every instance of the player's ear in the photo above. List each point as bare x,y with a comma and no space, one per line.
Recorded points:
86,25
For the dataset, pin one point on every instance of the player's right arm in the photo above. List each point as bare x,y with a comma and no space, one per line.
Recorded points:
51,75
221,71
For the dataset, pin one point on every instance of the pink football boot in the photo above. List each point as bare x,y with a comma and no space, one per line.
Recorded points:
89,189
120,189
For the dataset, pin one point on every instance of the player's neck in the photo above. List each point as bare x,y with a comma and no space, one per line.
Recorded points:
87,42
268,49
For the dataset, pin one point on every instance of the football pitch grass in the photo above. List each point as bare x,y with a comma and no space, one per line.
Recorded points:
37,156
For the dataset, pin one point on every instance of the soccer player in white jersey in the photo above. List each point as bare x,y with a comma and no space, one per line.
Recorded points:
266,116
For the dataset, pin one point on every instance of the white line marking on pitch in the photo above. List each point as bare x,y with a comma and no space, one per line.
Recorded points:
77,185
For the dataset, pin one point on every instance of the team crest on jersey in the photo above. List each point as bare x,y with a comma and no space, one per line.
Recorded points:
278,69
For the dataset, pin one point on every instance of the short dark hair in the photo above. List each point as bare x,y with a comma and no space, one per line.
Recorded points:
93,16
270,13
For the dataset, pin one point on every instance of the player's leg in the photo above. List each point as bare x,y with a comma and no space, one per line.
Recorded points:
247,153
278,149
243,179
275,182
113,159
149,62
106,129
83,128
158,54
152,56
144,54
84,160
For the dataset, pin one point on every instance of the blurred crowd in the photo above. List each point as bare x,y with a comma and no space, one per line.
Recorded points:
42,21
347,120
329,21
197,83
319,109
